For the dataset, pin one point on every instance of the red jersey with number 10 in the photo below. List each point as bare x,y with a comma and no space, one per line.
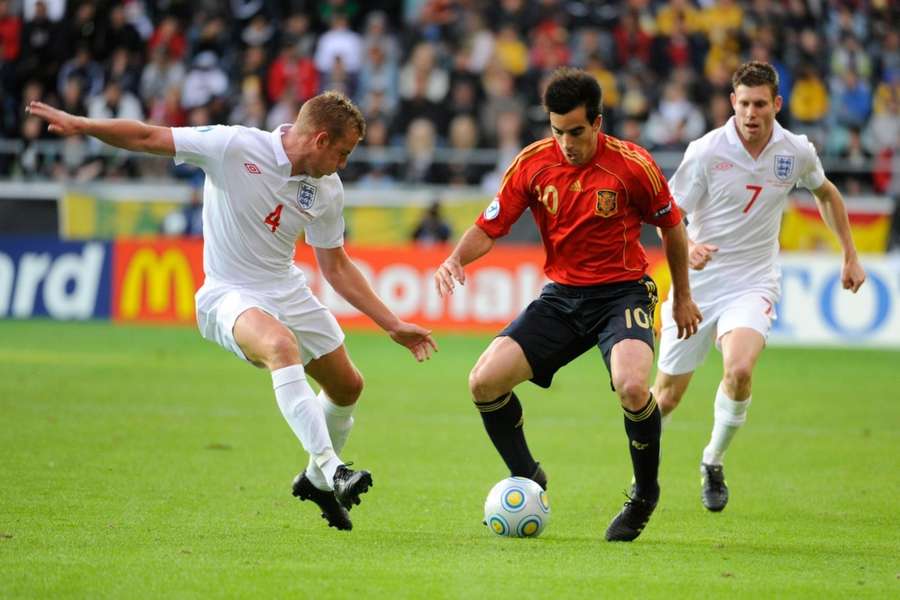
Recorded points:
590,215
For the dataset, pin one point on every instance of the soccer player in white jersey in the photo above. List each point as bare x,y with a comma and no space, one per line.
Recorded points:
262,190
732,185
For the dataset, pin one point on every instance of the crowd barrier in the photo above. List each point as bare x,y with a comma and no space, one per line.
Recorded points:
153,280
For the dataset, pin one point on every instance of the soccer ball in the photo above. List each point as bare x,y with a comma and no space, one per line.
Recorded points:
517,507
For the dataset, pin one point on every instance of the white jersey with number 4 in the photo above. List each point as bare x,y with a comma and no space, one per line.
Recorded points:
253,210
736,202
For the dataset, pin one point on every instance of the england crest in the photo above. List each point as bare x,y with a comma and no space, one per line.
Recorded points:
306,196
784,166
606,203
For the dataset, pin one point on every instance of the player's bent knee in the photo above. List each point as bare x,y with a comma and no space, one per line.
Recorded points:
739,375
633,393
281,350
482,388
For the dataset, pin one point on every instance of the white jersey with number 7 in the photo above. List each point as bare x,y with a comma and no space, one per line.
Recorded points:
735,202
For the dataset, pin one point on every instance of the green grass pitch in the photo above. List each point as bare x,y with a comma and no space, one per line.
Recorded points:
145,462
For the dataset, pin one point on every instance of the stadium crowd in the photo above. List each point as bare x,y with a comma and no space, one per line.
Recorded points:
439,75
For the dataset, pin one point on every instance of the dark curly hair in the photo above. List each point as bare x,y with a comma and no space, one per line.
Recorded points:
570,88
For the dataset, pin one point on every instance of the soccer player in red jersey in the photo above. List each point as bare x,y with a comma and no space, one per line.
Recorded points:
588,193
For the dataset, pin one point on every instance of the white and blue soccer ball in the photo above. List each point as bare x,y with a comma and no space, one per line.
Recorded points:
517,507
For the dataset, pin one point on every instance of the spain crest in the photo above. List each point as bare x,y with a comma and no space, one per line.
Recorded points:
606,203
784,166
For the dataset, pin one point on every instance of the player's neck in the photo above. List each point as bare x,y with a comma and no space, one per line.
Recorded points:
754,149
294,149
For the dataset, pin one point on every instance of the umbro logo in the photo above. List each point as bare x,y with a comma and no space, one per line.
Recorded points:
575,187
723,166
252,168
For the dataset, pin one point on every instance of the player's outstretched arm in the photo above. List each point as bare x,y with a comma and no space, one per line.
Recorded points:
121,133
474,244
348,281
834,213
685,311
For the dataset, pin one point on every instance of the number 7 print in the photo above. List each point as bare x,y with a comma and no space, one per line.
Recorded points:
756,189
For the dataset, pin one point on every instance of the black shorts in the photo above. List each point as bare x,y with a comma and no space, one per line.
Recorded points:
566,321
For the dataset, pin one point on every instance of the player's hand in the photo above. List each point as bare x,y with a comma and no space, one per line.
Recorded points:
60,122
416,339
852,274
687,317
700,254
446,276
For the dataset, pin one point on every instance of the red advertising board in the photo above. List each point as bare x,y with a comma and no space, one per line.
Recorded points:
154,280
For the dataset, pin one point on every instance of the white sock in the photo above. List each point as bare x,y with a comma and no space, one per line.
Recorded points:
664,422
729,416
306,417
340,421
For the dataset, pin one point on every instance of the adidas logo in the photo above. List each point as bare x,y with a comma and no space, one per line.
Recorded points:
638,445
575,187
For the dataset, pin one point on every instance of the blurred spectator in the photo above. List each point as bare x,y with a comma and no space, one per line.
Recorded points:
117,32
852,100
476,43
510,50
432,229
339,79
39,48
378,74
809,99
123,69
718,111
509,144
82,67
520,14
377,33
259,33
204,81
677,49
169,37
163,71
633,44
295,72
298,32
462,169
679,13
549,47
849,55
10,36
500,96
81,29
378,171
251,111
32,164
676,122
418,106
883,130
421,143
339,41
72,96
166,109
422,70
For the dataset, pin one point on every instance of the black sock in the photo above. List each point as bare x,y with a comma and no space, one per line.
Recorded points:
643,429
504,424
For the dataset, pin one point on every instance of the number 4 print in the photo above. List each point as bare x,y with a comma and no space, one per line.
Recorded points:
756,189
273,219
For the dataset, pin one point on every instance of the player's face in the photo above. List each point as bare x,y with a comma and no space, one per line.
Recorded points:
576,136
754,112
333,153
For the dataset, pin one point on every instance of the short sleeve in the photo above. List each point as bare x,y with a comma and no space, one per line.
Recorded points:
657,207
688,184
327,230
508,205
201,146
814,175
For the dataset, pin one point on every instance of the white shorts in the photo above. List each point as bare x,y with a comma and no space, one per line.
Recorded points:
753,310
291,302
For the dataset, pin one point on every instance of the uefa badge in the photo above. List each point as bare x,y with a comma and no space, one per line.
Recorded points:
306,196
493,209
784,166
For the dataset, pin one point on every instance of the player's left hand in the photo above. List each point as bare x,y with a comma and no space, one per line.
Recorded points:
852,274
687,316
416,339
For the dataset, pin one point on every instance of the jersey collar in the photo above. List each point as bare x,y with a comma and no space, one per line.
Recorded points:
281,158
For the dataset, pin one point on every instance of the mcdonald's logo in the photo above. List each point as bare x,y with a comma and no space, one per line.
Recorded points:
156,283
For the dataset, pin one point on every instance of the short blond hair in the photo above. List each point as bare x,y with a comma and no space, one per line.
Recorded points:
333,112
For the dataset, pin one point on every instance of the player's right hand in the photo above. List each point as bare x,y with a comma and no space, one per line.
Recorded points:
687,317
700,254
60,122
447,275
